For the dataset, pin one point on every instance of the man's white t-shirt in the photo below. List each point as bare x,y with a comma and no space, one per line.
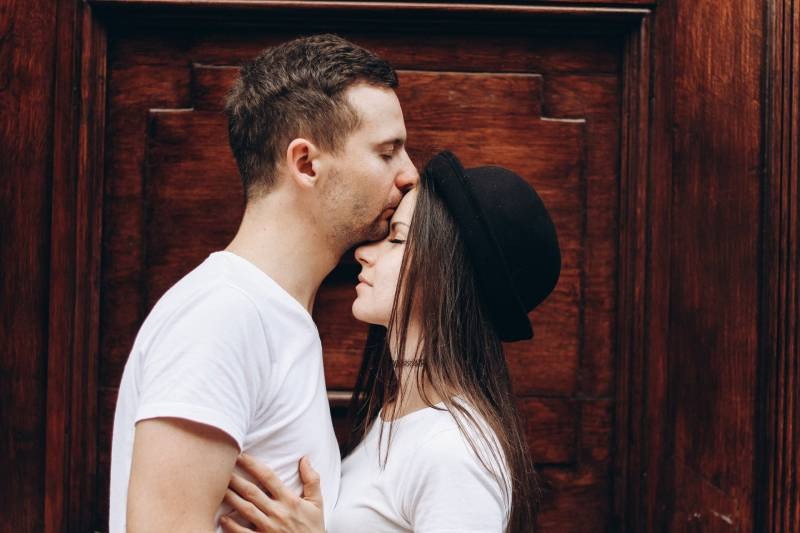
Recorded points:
226,346
431,480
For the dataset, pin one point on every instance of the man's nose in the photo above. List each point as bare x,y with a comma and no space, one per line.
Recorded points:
409,177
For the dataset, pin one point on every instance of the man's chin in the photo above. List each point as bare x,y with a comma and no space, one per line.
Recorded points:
377,231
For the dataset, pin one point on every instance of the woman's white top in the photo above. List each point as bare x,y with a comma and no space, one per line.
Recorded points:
431,482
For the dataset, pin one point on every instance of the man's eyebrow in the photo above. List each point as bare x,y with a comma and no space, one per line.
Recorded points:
397,141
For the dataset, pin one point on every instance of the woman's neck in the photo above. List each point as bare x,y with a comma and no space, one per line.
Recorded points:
413,394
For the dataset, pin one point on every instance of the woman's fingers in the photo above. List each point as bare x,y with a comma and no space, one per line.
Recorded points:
229,525
265,476
251,492
248,510
311,486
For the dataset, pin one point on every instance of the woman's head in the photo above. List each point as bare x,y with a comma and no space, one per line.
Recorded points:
421,281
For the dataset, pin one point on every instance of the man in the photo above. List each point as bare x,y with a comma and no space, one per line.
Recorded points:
229,359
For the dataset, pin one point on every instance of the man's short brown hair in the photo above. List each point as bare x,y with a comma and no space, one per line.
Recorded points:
296,89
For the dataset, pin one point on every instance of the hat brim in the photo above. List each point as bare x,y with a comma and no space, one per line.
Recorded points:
495,282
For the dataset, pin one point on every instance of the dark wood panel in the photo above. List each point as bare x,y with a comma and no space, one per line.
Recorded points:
573,500
691,412
27,52
194,203
778,425
714,298
132,91
516,49
131,161
193,195
643,278
551,429
596,100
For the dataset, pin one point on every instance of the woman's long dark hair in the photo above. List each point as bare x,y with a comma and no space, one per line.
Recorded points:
463,359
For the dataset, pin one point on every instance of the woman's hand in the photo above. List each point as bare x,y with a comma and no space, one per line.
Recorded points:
280,511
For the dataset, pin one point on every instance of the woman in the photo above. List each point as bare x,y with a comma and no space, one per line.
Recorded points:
441,446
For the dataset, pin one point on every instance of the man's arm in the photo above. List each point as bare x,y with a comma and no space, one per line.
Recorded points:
179,474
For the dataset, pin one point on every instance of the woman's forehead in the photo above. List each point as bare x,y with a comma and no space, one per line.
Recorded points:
405,209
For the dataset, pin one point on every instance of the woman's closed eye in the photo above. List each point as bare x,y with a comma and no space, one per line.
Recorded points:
397,240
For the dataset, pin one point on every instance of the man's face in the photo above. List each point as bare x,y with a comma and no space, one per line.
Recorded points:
370,174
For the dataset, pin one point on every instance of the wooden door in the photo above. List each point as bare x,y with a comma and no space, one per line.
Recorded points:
546,102
660,393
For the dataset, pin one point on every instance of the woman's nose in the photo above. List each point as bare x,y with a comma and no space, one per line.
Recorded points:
365,254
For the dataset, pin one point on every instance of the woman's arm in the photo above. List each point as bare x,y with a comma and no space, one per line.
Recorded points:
277,510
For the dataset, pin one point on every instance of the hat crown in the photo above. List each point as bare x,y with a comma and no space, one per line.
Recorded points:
509,236
523,229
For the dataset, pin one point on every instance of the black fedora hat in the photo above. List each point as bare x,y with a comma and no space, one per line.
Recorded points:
508,234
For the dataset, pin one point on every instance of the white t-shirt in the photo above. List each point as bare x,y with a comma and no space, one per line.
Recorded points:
432,481
226,346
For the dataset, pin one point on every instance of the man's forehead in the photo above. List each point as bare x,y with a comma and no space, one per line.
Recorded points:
374,103
380,116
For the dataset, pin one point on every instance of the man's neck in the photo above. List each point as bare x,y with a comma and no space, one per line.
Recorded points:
285,245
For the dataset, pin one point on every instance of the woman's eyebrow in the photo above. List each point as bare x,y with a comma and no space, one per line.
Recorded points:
400,224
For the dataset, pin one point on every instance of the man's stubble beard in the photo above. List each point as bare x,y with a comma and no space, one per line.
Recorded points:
353,226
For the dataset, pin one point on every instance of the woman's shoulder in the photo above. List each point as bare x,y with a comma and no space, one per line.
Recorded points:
456,465
459,435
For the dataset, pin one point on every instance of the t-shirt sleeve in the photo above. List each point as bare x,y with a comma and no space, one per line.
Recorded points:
449,490
207,363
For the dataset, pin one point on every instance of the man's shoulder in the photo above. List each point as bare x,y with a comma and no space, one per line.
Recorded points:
214,299
200,309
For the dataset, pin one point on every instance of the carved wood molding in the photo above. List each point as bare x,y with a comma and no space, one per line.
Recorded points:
594,8
77,193
642,213
778,506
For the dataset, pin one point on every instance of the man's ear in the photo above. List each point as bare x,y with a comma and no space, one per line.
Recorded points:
302,161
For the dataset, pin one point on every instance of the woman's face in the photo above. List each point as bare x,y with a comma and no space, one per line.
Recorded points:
380,267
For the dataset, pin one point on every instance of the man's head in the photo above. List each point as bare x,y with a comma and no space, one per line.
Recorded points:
319,114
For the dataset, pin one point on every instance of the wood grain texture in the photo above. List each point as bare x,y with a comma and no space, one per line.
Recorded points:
642,292
27,54
706,147
62,289
778,492
75,267
715,262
